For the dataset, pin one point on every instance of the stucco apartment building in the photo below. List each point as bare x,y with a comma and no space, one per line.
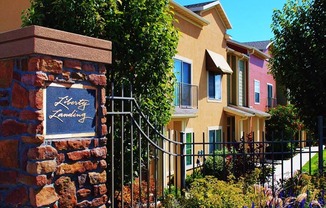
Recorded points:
201,69
251,89
234,88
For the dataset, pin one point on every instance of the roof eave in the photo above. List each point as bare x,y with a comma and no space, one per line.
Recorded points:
188,15
224,17
238,54
239,44
260,54
252,50
220,10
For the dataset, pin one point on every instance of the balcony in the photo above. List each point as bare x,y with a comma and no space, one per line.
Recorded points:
185,100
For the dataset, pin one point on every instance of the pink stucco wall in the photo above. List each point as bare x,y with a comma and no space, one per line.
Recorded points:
259,71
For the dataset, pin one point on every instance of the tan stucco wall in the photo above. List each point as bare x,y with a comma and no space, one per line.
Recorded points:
192,45
10,13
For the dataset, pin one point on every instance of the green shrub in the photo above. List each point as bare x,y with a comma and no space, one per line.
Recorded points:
211,192
282,130
172,197
197,173
174,191
171,201
219,165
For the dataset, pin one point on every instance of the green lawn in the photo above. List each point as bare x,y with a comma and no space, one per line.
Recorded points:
314,164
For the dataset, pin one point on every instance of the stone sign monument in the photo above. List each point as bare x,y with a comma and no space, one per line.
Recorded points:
52,119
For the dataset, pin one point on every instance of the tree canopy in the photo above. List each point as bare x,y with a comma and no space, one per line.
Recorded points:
282,128
298,55
143,37
145,43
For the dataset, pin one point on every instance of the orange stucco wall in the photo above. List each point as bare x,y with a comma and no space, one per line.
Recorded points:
10,13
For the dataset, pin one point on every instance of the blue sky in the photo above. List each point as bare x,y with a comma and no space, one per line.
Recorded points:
250,19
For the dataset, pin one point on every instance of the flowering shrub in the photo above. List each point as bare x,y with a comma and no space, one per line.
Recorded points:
301,191
239,160
211,192
143,193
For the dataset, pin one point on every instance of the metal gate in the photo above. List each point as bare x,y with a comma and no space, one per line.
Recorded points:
144,163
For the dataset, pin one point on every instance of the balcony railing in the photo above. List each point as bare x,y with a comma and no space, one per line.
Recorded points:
185,95
271,102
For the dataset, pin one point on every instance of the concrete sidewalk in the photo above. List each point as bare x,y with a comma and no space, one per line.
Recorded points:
298,160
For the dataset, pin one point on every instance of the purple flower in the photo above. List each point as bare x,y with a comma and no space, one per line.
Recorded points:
301,204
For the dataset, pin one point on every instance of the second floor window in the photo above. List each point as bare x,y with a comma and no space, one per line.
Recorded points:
241,82
214,86
257,91
182,72
269,95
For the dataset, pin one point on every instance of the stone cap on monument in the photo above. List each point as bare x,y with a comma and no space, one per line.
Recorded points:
46,41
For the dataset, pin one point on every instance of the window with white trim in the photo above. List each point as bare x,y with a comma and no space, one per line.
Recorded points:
269,95
242,82
257,91
182,72
214,86
215,139
189,149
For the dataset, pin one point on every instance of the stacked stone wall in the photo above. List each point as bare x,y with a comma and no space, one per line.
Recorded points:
37,171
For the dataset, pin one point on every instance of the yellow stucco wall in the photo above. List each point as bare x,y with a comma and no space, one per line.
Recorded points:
10,13
192,45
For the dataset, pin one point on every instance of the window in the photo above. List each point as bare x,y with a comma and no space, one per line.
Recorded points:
214,86
257,91
230,132
242,82
189,149
232,82
215,139
269,95
182,71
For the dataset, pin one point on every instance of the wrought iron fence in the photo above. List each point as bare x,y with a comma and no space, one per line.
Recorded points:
278,159
145,163
141,159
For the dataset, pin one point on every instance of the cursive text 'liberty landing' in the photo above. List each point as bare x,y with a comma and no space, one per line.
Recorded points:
57,114
67,101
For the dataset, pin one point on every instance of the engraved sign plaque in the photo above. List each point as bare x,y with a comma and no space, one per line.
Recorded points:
70,111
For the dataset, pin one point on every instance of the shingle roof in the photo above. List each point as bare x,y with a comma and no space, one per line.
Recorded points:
260,45
198,4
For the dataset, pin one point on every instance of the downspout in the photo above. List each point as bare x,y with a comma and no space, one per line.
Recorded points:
250,125
243,57
252,51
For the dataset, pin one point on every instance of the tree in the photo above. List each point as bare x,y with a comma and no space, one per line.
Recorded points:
298,55
144,41
84,17
282,129
143,37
